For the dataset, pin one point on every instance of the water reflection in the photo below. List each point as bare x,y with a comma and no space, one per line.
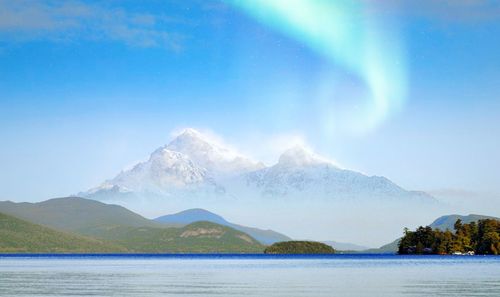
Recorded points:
335,276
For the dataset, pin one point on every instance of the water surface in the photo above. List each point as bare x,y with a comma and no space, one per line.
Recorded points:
250,275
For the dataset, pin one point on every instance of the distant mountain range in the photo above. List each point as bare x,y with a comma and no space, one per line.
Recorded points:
299,173
92,226
192,166
194,171
115,228
90,217
75,224
194,215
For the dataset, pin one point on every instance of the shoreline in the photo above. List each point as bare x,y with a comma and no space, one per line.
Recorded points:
228,256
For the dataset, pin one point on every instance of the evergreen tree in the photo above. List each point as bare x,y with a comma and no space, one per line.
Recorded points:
482,238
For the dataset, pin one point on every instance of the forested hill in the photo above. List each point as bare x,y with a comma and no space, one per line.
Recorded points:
299,247
19,236
482,238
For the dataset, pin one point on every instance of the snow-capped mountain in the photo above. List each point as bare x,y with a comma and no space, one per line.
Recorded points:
165,170
303,194
300,172
217,160
193,166
189,163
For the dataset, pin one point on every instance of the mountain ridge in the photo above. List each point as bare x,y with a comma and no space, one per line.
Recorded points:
203,175
75,214
90,222
198,214
192,166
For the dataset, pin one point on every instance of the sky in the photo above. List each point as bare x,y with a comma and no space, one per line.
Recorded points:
403,89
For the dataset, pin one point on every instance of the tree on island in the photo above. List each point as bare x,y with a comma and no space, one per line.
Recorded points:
299,247
482,238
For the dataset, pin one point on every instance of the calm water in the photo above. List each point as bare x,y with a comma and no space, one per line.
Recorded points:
339,275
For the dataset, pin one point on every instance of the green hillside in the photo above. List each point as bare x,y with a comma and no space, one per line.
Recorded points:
127,231
189,216
199,237
299,247
19,236
78,215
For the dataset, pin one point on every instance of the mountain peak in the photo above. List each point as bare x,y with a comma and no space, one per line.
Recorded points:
301,156
211,155
191,131
192,142
190,139
192,134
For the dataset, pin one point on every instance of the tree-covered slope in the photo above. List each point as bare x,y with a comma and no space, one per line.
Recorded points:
126,230
299,247
19,236
482,238
442,223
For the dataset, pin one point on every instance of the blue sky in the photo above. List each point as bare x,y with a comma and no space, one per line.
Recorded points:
89,87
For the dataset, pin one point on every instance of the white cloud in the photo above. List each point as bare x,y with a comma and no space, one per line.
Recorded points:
25,20
212,138
269,147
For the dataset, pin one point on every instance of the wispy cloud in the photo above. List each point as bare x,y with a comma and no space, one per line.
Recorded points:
24,20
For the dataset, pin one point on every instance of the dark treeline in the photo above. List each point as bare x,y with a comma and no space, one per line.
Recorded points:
299,247
481,238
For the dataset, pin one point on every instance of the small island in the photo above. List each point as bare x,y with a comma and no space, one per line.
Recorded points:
474,238
299,247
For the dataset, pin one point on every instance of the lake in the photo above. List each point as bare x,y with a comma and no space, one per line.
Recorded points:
249,275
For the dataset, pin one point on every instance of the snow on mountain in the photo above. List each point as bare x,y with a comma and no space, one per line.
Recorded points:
192,163
300,156
165,172
165,168
303,194
300,172
215,159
